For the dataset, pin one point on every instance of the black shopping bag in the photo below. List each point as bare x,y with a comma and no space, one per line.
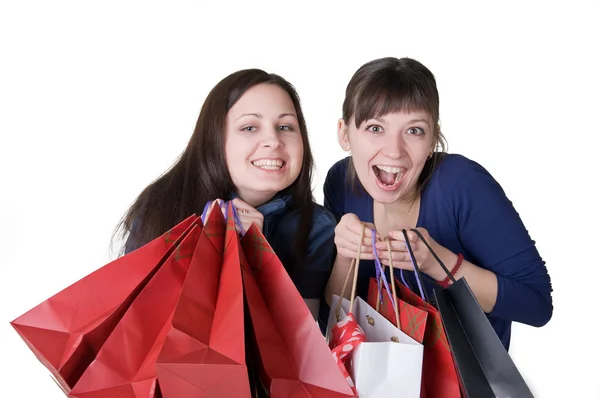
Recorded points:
484,366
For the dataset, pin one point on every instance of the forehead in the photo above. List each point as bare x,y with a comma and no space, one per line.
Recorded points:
264,99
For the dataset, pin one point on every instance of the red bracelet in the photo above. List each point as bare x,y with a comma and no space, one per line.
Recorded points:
446,282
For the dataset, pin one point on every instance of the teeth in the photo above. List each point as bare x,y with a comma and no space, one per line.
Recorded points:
389,169
268,164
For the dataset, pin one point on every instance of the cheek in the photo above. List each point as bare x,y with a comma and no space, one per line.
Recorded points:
295,149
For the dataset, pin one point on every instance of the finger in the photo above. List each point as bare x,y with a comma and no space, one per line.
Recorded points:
407,266
240,204
396,256
352,254
353,224
351,240
398,235
395,245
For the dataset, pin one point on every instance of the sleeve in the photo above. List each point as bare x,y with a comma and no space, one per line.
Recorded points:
334,189
493,233
314,275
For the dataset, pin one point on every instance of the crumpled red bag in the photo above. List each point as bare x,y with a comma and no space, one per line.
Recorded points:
66,331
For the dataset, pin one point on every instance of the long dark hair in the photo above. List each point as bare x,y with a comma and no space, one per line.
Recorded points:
200,174
387,85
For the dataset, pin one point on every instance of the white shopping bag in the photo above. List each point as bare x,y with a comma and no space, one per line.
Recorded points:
390,363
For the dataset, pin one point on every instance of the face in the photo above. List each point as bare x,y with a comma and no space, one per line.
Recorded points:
389,153
263,143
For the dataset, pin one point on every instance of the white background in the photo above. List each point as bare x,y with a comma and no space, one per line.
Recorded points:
98,98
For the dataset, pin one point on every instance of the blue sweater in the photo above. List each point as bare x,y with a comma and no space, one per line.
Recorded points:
465,210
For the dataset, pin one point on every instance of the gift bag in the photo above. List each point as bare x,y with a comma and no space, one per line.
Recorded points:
389,363
386,362
124,366
295,360
440,378
66,331
412,319
484,366
204,351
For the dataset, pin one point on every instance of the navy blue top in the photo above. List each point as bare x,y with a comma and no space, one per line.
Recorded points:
279,228
465,210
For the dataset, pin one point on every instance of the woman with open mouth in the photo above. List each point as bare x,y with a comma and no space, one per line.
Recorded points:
399,176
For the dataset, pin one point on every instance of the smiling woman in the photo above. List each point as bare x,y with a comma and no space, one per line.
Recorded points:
250,145
263,150
399,176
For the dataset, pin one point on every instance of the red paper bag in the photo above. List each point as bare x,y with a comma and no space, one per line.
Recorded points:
203,355
440,379
296,360
413,320
124,366
66,331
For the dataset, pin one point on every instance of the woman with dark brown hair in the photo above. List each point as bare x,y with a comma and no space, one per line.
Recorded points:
399,176
250,145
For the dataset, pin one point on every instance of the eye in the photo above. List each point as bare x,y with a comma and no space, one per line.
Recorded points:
375,129
416,131
249,128
285,128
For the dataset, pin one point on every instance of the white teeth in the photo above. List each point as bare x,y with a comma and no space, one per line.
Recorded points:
389,169
268,164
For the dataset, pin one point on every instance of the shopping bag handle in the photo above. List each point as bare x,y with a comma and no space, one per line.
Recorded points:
353,264
440,262
380,275
418,276
223,205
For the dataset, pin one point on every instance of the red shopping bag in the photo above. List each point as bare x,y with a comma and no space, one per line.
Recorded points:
440,379
204,352
124,366
413,320
66,331
296,360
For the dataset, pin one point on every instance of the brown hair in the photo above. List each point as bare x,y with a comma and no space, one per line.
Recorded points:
388,85
200,174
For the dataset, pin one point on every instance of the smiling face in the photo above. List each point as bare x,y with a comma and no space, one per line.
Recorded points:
263,143
389,153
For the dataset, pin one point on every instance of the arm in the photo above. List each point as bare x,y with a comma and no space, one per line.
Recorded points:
333,190
506,272
312,277
482,282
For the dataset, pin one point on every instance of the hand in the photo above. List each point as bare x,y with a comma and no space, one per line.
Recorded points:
247,215
347,238
400,256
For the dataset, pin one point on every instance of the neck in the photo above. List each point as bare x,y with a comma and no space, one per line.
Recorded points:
256,199
401,208
398,215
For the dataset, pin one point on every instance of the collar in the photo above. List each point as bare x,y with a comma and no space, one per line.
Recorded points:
279,203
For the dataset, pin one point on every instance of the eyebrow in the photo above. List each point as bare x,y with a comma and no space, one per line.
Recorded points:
412,121
419,120
259,116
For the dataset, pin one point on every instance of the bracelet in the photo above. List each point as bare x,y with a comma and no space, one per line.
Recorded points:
446,282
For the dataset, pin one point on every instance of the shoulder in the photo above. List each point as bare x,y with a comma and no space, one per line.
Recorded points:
458,175
323,220
337,174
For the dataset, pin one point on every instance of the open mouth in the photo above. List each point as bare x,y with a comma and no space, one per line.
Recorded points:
269,164
388,176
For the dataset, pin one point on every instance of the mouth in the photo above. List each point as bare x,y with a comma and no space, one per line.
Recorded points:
269,164
389,177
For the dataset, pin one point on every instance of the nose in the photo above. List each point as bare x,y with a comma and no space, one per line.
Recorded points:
271,139
394,147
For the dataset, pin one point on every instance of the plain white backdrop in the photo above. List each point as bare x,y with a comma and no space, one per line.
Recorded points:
99,98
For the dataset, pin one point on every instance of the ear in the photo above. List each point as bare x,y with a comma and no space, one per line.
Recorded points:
343,135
